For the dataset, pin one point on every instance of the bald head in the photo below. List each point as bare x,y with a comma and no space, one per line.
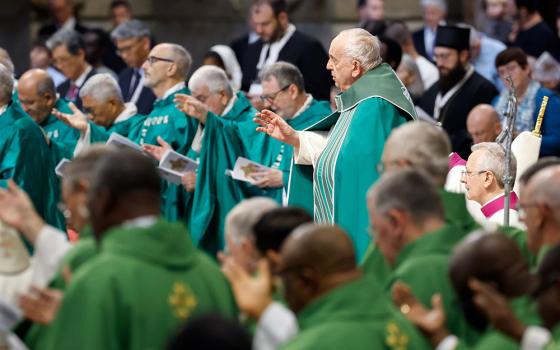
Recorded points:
318,258
37,94
483,124
544,188
492,258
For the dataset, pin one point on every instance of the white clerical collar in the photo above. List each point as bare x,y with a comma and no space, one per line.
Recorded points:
129,111
304,107
173,89
274,48
3,109
230,104
82,78
140,222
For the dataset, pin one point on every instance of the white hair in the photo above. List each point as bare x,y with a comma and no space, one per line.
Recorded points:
241,219
213,77
493,158
360,45
101,87
424,145
438,3
6,84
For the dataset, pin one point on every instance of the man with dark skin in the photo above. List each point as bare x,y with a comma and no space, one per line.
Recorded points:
333,300
480,259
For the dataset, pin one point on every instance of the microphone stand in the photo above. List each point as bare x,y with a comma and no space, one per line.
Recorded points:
506,138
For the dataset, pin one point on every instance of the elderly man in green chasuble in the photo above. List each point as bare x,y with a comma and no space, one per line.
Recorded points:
147,278
25,155
339,153
102,101
226,139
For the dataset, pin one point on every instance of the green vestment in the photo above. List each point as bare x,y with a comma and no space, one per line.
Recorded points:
26,158
178,130
57,130
142,285
354,316
129,128
367,113
555,343
423,265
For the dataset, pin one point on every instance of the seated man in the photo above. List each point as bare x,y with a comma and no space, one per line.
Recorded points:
411,233
337,306
483,179
138,252
483,124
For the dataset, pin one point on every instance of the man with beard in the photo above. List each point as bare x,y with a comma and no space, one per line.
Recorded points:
459,88
281,41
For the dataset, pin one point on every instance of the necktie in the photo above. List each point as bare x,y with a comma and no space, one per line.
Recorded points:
72,92
133,84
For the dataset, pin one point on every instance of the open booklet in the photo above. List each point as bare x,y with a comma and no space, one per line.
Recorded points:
173,166
245,168
123,142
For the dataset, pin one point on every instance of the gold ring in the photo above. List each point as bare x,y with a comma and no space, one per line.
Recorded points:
405,308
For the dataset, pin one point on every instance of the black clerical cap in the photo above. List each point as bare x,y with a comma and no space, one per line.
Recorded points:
453,37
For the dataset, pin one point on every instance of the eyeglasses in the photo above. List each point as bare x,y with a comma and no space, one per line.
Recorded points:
272,97
466,173
153,59
522,209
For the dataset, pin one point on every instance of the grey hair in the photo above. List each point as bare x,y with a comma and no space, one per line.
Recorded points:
416,89
409,190
493,159
130,29
6,84
6,60
82,166
182,59
424,145
285,73
101,87
363,47
213,77
438,3
243,217
70,38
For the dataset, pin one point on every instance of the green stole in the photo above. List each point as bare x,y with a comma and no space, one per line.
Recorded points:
373,106
178,130
355,315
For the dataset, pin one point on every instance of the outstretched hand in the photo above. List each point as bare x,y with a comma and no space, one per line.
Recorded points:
157,151
16,210
77,120
430,322
191,106
275,126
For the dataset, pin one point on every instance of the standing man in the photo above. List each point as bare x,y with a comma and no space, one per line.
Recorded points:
37,96
280,41
434,12
25,156
132,39
459,88
69,56
373,101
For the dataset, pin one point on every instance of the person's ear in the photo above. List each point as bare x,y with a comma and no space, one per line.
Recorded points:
293,91
464,56
283,19
356,69
172,70
224,98
399,222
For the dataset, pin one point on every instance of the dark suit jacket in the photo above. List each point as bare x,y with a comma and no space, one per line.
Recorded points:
239,46
145,102
62,89
453,115
419,44
303,51
49,28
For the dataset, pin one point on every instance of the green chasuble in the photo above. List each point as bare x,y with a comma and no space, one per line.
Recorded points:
26,158
58,131
555,343
129,128
366,114
140,288
423,265
178,130
355,316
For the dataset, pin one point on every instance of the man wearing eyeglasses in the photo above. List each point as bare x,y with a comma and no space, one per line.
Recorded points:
483,179
132,39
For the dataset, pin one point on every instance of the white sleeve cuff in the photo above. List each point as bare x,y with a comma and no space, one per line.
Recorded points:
448,343
276,326
84,141
50,248
311,144
535,338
